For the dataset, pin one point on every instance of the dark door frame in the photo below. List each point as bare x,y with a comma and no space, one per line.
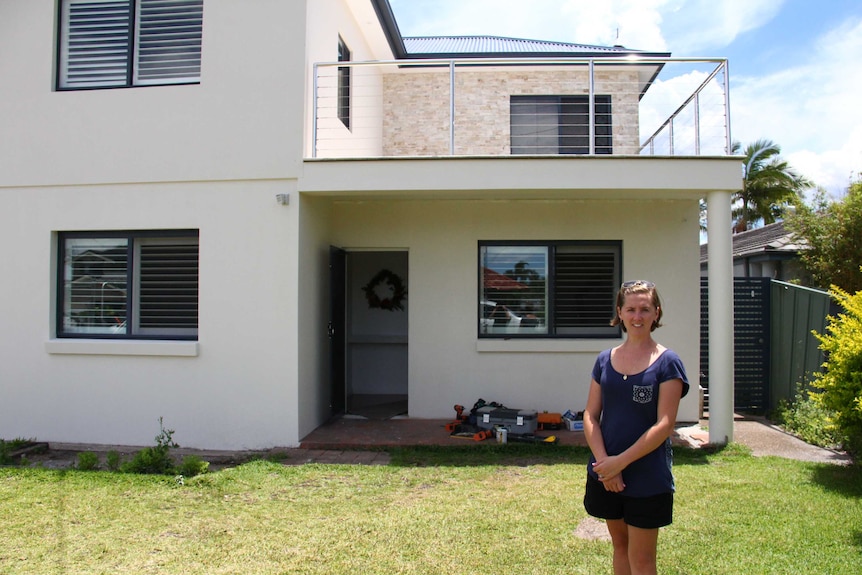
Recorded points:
337,331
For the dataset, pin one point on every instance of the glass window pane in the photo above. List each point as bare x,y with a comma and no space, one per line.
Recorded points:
95,272
534,124
514,290
343,84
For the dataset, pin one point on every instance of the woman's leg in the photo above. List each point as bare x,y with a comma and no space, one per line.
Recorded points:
642,545
620,539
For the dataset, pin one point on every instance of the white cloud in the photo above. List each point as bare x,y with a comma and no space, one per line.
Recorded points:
811,110
697,27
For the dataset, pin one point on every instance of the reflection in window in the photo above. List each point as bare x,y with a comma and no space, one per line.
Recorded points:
128,284
548,288
559,124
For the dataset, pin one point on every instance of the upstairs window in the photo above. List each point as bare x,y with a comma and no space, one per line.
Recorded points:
559,124
548,289
343,84
121,43
128,285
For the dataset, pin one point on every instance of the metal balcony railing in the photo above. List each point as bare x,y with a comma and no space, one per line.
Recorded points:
532,106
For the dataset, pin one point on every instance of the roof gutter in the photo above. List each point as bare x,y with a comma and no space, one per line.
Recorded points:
390,28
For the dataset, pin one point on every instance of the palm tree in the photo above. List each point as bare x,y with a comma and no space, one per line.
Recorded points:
769,186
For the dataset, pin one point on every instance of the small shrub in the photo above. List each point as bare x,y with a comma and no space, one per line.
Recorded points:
841,384
7,447
112,461
809,420
149,460
154,460
193,465
87,461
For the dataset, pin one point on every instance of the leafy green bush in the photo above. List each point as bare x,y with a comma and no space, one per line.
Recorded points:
7,447
193,465
841,384
809,420
112,461
87,461
154,460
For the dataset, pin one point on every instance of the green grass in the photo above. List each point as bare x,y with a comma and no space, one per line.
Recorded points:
473,510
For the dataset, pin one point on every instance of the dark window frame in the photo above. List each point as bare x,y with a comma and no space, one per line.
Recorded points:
551,316
131,285
133,51
344,73
562,128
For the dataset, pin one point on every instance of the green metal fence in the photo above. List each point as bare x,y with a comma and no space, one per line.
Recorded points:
795,354
774,349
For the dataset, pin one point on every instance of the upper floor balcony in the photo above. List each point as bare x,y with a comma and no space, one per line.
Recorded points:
525,106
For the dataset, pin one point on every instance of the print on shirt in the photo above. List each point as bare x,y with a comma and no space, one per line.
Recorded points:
642,393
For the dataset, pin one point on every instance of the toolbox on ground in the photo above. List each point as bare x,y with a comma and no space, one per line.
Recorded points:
518,421
550,420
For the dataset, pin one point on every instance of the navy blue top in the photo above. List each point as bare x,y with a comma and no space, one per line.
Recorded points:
629,408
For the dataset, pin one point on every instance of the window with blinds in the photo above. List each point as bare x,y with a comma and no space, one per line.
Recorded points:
119,43
548,289
343,84
128,285
559,124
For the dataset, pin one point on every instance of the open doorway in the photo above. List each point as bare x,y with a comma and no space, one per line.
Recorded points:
376,311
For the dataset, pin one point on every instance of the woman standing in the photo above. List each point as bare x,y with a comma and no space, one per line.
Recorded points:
631,412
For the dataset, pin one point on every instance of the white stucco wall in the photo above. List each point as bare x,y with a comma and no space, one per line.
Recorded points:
448,364
212,157
244,119
356,23
238,391
209,156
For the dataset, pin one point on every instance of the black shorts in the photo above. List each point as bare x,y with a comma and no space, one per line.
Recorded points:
644,512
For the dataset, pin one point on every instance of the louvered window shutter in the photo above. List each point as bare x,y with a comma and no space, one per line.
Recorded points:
585,289
168,41
118,43
96,43
168,286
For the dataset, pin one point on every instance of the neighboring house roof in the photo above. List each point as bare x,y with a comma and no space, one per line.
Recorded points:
498,281
433,47
485,46
769,238
423,46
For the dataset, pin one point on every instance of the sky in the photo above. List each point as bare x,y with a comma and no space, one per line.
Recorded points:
795,65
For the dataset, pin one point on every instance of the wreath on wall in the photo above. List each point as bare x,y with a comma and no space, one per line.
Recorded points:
386,281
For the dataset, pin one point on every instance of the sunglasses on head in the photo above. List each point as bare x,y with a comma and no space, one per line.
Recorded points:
634,283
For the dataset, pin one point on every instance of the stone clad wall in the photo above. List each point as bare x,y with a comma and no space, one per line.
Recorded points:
416,107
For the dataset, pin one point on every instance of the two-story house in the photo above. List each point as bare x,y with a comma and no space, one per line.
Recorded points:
244,217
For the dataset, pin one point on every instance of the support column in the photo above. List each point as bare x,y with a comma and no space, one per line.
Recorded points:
720,278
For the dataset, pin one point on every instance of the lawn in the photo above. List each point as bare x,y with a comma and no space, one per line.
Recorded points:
502,509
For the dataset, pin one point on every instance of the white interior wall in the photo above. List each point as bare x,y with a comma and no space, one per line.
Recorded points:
377,338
